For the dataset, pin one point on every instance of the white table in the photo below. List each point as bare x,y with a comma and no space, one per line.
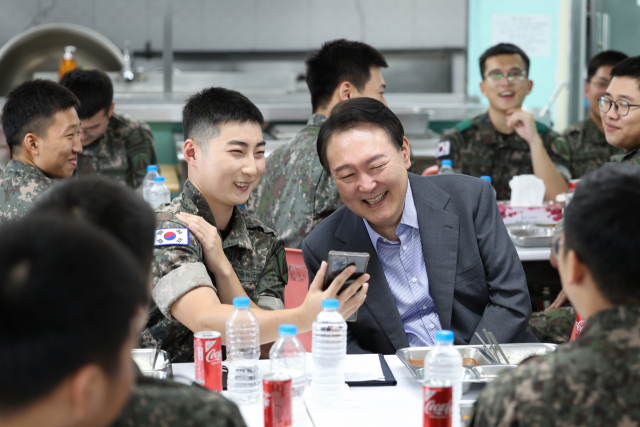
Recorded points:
533,254
400,405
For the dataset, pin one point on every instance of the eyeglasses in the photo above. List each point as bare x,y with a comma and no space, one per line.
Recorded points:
512,76
621,107
555,246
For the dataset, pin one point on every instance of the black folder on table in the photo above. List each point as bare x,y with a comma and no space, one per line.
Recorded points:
389,379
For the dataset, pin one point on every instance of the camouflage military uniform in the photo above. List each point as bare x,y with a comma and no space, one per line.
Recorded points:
593,381
164,403
588,147
295,193
20,185
255,252
553,326
477,149
632,157
122,153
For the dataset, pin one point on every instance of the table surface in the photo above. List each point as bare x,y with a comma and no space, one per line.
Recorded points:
399,405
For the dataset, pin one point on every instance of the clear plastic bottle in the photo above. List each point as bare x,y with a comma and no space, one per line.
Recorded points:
159,193
329,353
243,351
445,167
444,362
287,354
147,183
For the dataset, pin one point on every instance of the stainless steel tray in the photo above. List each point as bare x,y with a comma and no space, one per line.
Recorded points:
531,235
516,353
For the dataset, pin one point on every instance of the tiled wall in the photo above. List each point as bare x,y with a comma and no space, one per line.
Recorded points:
253,25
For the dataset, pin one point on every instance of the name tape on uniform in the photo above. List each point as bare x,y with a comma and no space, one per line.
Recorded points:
443,149
172,236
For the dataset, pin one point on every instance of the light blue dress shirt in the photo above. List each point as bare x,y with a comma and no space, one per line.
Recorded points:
403,266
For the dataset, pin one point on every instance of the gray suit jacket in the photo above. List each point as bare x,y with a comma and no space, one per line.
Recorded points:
475,276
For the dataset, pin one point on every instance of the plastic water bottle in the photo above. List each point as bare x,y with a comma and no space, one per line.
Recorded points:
147,183
488,178
445,167
159,193
444,362
288,355
243,351
329,353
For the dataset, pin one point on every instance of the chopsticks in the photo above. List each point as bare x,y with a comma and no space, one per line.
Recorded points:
494,349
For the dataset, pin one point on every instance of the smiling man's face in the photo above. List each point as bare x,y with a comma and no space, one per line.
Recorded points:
502,94
58,150
622,131
370,174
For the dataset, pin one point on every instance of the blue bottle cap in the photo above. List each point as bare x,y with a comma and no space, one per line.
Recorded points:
241,302
152,168
330,303
158,179
287,330
486,177
447,163
444,336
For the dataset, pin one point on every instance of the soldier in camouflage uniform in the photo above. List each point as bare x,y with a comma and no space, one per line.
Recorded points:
38,156
296,194
116,146
506,141
255,252
588,146
166,403
20,185
595,380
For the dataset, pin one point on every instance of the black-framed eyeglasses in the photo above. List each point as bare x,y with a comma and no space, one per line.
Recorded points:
621,107
511,76
555,246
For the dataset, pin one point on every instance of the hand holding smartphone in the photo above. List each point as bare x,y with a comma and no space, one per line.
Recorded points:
338,261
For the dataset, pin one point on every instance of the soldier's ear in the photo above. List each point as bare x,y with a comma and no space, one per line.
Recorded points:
110,112
32,144
530,86
345,91
191,151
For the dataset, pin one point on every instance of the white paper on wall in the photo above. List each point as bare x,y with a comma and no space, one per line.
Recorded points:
530,32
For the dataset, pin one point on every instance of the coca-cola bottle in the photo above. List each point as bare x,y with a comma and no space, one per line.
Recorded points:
438,400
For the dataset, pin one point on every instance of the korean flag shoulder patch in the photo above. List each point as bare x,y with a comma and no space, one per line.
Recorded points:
172,236
443,149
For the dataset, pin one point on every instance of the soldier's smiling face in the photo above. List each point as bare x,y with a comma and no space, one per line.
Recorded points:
231,164
504,95
57,151
622,131
94,127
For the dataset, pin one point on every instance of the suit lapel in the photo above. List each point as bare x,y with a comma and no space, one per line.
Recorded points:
380,301
439,231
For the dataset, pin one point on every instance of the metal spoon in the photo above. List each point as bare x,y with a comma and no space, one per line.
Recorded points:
499,348
155,357
487,349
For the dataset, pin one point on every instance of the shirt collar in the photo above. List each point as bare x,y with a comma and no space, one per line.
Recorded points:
18,166
317,120
409,217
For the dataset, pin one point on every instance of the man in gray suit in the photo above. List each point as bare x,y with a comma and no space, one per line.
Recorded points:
440,254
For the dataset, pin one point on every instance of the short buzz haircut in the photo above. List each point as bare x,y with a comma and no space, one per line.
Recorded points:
608,57
31,107
67,300
601,226
354,113
503,49
93,88
338,61
206,111
630,67
110,206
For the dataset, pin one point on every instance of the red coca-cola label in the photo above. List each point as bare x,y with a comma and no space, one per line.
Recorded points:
438,403
208,359
277,400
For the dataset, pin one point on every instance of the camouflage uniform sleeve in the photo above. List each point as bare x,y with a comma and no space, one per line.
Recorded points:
141,152
270,288
558,149
166,403
456,143
327,199
176,271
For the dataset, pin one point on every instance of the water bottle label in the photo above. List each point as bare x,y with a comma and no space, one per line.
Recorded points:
443,149
172,236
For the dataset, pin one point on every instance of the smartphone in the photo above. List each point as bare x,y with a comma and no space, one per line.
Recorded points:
338,261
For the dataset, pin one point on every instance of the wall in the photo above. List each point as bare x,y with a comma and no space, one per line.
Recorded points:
253,25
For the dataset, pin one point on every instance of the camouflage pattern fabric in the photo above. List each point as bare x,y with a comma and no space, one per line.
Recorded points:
20,185
477,149
164,403
589,148
255,252
122,153
295,193
632,157
553,326
592,381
